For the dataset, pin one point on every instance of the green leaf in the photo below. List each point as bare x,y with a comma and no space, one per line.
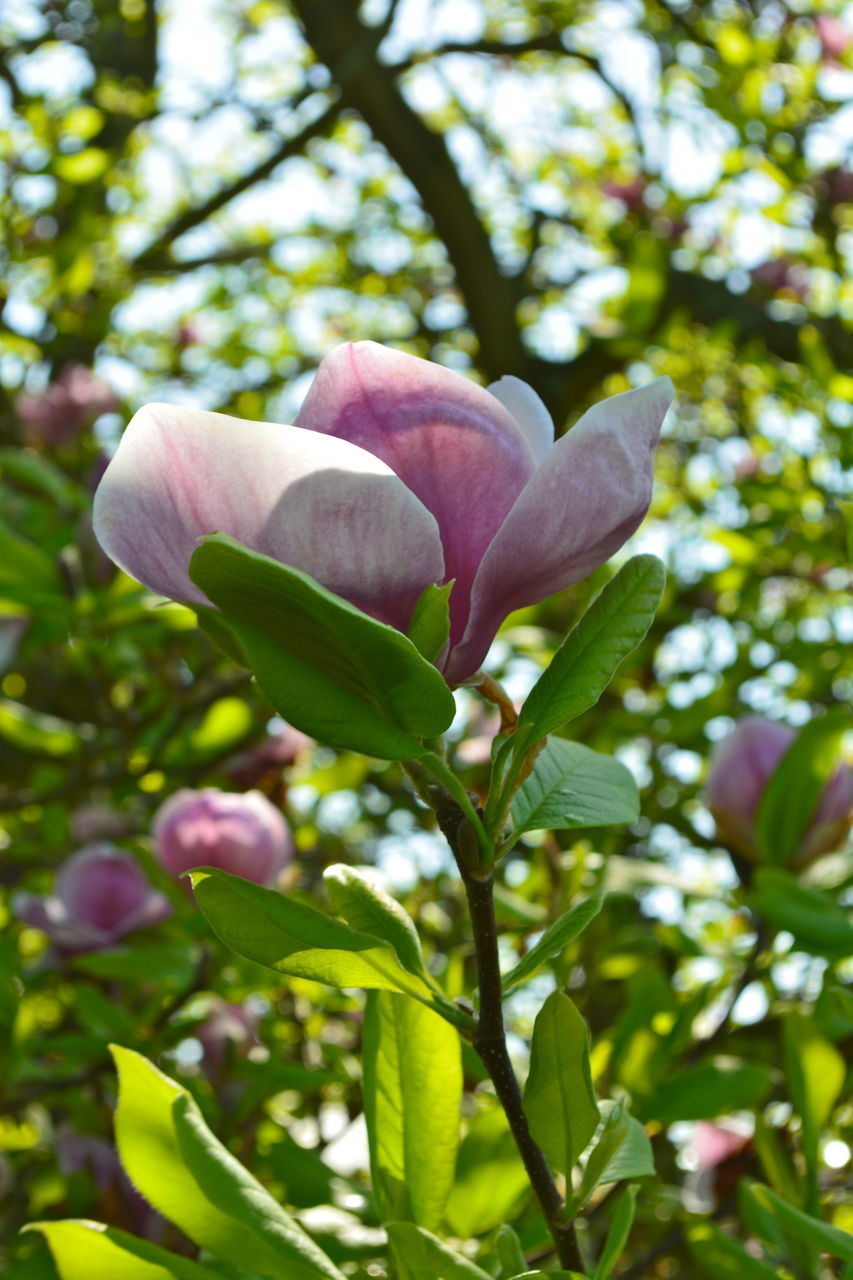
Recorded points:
28,575
412,1096
558,1097
819,924
571,786
215,626
617,1235
429,627
815,1071
720,1257
293,938
509,1251
419,1255
583,666
756,1219
367,908
776,1161
793,792
491,1181
35,471
85,1250
707,1091
802,1226
82,167
554,940
40,734
622,1150
846,509
331,670
188,1175
172,963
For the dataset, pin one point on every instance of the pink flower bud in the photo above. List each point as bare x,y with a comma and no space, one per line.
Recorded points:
241,833
100,895
72,402
741,767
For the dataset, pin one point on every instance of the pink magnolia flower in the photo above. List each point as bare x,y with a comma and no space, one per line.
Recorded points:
70,403
713,1143
228,1028
100,895
835,38
741,767
398,473
241,833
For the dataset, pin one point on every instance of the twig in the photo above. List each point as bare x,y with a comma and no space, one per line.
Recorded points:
490,1043
155,257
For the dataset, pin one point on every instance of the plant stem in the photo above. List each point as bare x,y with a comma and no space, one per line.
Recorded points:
445,776
490,1043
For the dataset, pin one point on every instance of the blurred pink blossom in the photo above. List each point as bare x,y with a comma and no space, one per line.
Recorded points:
712,1144
122,1203
278,750
836,185
72,402
227,1027
741,767
835,38
781,273
238,832
100,895
91,822
630,193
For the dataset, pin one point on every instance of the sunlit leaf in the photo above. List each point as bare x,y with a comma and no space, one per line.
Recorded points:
554,940
571,786
412,1097
193,1180
559,1099
91,1251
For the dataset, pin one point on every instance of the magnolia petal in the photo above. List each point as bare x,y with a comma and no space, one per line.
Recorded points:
308,500
529,412
586,499
449,440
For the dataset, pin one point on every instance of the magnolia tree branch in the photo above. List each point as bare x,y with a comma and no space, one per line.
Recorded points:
490,1034
350,50
157,257
490,1043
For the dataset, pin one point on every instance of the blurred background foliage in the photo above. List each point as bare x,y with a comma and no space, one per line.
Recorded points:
198,199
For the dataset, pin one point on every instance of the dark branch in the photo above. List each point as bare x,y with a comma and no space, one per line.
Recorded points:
490,1043
157,256
350,51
